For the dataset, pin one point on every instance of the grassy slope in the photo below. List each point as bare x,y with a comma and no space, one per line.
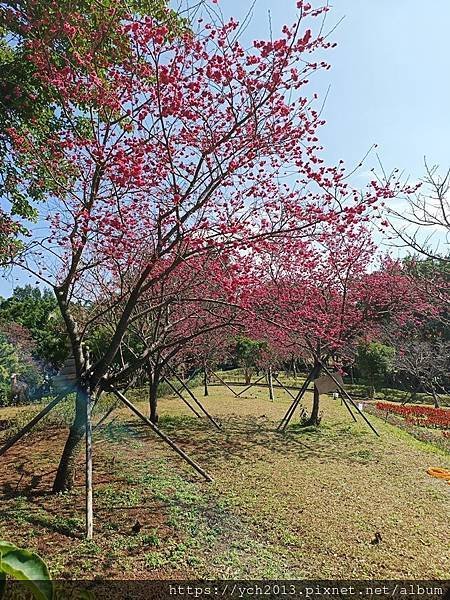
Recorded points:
306,504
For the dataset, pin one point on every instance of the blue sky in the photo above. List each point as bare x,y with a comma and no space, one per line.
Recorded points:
389,81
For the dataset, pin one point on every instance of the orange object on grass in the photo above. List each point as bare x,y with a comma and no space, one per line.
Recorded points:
439,473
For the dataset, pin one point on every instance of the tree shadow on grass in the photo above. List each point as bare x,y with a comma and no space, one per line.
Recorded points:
245,437
43,521
242,439
43,509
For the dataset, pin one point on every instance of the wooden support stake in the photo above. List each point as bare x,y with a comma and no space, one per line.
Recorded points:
162,435
293,407
350,399
27,428
284,387
197,402
105,416
270,384
178,393
223,382
89,495
194,374
343,400
251,385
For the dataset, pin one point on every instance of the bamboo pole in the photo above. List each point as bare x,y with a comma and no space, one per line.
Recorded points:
194,374
223,382
350,399
105,416
162,435
29,426
288,417
89,494
275,386
284,387
293,407
251,385
270,384
178,393
197,402
348,408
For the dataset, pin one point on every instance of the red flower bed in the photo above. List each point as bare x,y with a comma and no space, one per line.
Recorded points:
425,416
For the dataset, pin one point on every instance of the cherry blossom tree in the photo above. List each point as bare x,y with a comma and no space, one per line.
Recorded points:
28,102
327,301
173,318
173,147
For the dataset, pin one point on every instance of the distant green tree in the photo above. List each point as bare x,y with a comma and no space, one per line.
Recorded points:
9,364
247,353
21,375
37,311
374,360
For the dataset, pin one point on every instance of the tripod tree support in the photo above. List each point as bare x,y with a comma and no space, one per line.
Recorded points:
251,385
347,406
223,382
194,374
162,435
270,384
283,386
327,384
350,399
179,394
105,416
34,421
197,402
293,407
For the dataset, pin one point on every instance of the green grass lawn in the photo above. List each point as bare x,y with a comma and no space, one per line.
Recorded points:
303,504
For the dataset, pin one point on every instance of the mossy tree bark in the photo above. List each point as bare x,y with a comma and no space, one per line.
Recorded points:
65,475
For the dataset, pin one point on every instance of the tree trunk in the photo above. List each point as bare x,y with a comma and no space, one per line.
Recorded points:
435,397
314,419
153,376
412,396
248,376
270,383
205,381
89,473
65,475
